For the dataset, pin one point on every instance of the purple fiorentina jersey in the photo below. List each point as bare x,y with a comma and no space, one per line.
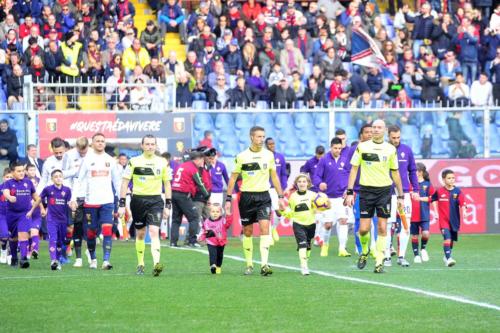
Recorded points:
407,169
23,191
57,203
3,201
334,173
219,176
36,212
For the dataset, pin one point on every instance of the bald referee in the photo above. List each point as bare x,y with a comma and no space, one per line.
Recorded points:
377,162
255,165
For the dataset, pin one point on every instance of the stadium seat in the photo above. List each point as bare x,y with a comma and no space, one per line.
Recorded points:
321,120
302,120
409,131
200,105
466,118
203,121
224,120
264,119
497,118
92,102
283,120
351,133
494,139
342,119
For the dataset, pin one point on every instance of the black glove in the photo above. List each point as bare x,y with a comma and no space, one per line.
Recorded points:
210,233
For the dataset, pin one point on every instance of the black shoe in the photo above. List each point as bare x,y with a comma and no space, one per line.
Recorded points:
213,269
34,255
266,270
14,262
174,245
24,263
362,260
379,269
54,265
158,269
78,107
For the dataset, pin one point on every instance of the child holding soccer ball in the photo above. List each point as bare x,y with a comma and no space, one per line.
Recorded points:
301,210
450,200
214,232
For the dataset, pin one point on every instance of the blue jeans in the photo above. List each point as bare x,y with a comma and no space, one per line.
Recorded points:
469,70
416,47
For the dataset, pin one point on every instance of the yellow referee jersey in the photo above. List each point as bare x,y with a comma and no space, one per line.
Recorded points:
255,168
300,208
375,161
148,174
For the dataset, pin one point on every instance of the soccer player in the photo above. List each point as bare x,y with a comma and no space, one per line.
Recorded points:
340,134
151,176
218,173
52,163
409,180
4,230
280,163
36,216
331,178
255,165
365,134
420,215
377,161
71,163
449,201
58,199
187,181
19,191
301,212
96,179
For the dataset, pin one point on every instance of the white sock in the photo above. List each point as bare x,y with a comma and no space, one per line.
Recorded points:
319,230
342,231
404,237
155,249
388,240
265,240
326,235
303,257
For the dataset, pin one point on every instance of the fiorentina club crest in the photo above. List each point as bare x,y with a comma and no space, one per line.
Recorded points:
63,194
179,125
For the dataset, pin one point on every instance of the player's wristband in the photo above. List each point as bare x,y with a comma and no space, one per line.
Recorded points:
121,202
168,203
401,196
350,192
281,196
229,198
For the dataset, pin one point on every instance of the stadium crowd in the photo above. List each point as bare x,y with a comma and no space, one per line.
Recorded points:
286,54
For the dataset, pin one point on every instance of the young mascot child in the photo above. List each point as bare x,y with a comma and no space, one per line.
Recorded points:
36,217
214,232
4,230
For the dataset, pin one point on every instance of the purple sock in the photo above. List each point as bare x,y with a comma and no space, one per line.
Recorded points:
23,246
52,250
35,243
13,248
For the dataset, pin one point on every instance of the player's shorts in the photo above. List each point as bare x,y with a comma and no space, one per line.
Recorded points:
337,211
18,222
274,199
146,210
373,199
254,206
303,235
4,230
96,216
217,198
394,208
416,227
36,222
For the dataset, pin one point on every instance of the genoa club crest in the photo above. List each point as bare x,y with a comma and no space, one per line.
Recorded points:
179,125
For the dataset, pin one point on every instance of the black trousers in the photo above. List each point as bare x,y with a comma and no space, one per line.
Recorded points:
215,254
183,205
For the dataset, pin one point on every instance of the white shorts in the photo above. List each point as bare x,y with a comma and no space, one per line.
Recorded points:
274,199
337,212
394,208
217,198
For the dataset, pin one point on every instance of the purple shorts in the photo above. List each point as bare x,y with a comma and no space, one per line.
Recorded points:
36,222
17,222
4,230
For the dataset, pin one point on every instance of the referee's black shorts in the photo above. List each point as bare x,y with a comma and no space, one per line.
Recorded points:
375,198
254,206
146,210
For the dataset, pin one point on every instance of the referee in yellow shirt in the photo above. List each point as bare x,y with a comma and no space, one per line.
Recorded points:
255,165
377,162
150,175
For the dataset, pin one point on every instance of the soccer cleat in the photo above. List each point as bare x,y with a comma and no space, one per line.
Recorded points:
266,270
393,252
324,250
89,258
417,260
305,271
218,270
174,245
24,263
344,253
93,264
213,269
140,270
276,235
106,266
158,269
3,256
11,261
248,270
78,262
450,262
388,262
53,265
362,261
425,255
379,269
34,254
403,262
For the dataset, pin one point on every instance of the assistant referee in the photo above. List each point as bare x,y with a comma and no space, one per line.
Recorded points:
150,175
255,165
377,162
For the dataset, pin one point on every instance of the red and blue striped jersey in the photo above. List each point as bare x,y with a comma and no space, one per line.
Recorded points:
421,209
449,203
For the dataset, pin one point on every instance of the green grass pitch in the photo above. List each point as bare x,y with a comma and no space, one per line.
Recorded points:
187,298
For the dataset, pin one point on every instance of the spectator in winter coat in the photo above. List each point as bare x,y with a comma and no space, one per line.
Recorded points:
282,96
241,95
431,91
15,87
423,26
8,142
151,39
314,95
468,42
172,18
329,65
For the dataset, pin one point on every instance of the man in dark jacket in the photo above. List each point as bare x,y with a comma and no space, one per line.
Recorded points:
423,26
53,59
15,87
468,43
431,91
282,96
8,142
314,96
242,95
151,39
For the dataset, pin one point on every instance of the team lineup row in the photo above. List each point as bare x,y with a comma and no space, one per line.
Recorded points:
79,189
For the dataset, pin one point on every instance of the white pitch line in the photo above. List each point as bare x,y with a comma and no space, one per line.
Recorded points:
418,291
29,277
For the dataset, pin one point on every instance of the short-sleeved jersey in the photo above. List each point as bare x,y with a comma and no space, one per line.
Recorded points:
148,174
57,203
449,203
23,191
375,161
255,168
420,209
300,208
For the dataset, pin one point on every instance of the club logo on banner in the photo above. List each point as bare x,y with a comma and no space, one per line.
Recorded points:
179,125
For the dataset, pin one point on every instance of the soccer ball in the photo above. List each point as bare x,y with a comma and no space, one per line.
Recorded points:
321,202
